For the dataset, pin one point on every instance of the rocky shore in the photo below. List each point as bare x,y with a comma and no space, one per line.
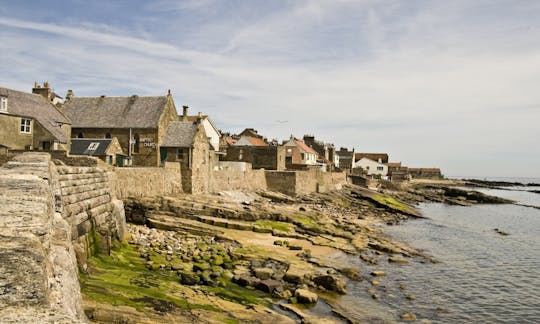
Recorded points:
257,257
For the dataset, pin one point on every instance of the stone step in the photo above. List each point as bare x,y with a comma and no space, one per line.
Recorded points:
77,176
78,170
77,190
76,198
80,182
79,207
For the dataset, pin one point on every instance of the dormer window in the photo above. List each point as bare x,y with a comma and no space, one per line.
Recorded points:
3,104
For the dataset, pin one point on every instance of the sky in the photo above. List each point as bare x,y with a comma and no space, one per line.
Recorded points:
449,84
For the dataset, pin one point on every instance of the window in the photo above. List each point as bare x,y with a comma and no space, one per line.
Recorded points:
26,125
80,135
136,149
180,155
108,135
241,154
93,146
3,103
380,168
303,156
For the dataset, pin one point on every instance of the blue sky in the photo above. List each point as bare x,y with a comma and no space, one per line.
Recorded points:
453,84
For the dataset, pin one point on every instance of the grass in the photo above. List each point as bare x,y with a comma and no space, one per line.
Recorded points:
280,226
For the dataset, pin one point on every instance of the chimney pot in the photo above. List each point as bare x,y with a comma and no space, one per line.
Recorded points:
184,113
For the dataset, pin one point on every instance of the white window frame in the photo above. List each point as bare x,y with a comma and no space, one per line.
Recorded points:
26,126
3,104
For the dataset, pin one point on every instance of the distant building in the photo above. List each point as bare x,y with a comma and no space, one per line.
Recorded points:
425,173
139,123
327,152
345,158
298,154
398,172
106,149
379,157
29,121
254,149
371,167
213,133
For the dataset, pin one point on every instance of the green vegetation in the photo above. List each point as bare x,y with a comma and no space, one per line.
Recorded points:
392,203
123,279
280,226
306,220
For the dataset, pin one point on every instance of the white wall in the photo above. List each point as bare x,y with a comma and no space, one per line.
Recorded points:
372,167
211,133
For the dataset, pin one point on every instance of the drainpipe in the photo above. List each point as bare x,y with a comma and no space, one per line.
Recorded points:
129,144
189,159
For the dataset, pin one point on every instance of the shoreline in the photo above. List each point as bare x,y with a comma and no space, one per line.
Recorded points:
314,226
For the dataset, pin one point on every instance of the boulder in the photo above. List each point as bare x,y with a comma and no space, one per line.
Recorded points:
378,273
304,296
263,273
294,275
245,280
331,282
408,317
269,285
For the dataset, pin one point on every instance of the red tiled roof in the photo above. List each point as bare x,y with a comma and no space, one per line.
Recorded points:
394,164
304,147
230,140
256,141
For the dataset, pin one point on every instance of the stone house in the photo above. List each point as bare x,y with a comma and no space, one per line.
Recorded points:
28,121
299,155
213,133
345,158
398,172
139,123
106,149
327,152
371,167
186,143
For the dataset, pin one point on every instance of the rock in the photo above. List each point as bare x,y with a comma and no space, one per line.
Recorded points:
189,278
408,317
351,273
501,232
378,273
397,260
245,280
268,285
295,247
410,297
375,282
294,275
278,242
331,282
263,273
305,296
202,266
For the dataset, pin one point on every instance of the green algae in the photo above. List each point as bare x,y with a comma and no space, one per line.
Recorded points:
280,226
392,203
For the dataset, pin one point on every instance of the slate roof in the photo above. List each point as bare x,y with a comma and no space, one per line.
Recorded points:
34,106
115,112
80,146
180,134
372,156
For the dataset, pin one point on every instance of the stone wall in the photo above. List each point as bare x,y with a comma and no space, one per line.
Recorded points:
230,179
90,207
140,182
38,270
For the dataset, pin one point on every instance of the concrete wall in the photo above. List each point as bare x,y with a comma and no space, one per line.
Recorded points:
140,182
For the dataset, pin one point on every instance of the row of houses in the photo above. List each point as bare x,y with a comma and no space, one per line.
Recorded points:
148,131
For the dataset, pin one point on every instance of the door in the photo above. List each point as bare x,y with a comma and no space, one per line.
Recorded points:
163,154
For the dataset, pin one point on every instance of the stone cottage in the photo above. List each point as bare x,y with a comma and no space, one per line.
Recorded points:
139,123
28,121
186,143
257,152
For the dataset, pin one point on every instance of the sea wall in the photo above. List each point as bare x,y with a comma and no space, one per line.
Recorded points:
235,179
38,270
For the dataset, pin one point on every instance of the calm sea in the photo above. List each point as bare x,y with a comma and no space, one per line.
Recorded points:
481,276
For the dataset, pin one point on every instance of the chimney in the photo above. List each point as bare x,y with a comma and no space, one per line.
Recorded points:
184,113
199,117
69,95
44,91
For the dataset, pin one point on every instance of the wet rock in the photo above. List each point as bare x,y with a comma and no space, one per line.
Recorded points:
408,317
305,296
351,273
331,282
410,297
397,260
375,282
378,273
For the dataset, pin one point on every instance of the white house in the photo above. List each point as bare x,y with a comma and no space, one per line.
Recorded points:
211,130
371,167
